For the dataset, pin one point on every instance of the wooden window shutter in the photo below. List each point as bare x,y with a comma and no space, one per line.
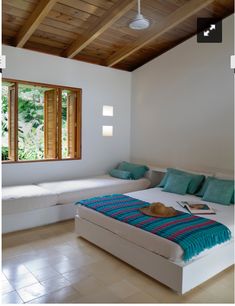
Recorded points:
79,123
71,123
50,124
13,122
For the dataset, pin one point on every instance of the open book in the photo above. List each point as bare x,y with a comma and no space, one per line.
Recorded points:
197,209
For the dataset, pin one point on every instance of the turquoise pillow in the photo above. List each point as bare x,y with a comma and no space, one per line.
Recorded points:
137,171
177,183
232,200
201,192
196,179
219,191
125,175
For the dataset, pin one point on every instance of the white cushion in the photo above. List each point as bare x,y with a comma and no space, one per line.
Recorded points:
74,190
17,199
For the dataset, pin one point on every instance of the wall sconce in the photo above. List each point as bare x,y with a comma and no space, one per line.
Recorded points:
107,130
108,110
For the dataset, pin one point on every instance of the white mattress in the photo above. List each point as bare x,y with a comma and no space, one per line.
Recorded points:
75,190
18,199
154,243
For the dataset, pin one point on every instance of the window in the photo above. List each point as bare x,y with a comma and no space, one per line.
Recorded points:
40,122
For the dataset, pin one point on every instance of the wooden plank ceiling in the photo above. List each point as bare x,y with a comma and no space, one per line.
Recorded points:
96,31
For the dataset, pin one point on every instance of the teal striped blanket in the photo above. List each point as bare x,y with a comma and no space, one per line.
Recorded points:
194,234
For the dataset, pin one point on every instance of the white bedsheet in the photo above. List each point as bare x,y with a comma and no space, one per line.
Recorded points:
154,243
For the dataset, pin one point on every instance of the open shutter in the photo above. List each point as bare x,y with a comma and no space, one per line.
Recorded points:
71,121
50,124
12,122
79,124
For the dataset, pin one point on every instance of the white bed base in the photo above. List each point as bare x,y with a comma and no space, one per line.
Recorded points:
38,217
179,277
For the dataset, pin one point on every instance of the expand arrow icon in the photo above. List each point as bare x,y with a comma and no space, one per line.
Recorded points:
206,33
212,27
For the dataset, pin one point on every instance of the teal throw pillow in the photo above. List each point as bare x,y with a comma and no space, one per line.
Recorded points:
137,171
202,190
125,175
232,200
177,183
195,183
219,191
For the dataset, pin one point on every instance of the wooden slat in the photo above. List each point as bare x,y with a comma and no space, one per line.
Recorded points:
56,31
79,125
74,124
47,42
71,124
62,26
7,9
61,9
59,124
102,3
119,9
83,6
13,122
50,124
20,4
35,19
168,23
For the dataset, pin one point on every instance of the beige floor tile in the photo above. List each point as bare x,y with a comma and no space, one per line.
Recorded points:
3,277
140,298
11,298
31,292
45,273
6,287
64,295
76,275
55,284
102,296
18,260
123,289
88,285
66,266
44,262
23,281
14,271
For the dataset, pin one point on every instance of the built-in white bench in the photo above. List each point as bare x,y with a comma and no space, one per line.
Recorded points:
29,206
19,199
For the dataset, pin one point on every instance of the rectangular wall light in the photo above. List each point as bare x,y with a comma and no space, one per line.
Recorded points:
107,130
108,110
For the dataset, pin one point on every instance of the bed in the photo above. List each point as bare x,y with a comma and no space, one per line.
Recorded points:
154,251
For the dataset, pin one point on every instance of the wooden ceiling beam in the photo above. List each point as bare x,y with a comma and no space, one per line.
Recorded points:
169,22
111,16
40,12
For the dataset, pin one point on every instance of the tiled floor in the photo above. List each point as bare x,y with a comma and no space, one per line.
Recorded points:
51,265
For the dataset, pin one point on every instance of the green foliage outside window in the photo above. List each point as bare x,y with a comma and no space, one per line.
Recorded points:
30,123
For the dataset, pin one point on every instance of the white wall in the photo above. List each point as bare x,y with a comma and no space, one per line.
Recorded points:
182,107
101,86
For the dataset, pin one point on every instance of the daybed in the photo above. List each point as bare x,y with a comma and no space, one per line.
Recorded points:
158,257
35,205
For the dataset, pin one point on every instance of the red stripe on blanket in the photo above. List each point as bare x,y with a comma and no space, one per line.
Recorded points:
189,228
171,222
129,217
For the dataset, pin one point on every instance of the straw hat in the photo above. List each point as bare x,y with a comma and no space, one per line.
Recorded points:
159,210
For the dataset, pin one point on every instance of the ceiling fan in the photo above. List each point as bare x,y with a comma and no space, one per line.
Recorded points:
139,22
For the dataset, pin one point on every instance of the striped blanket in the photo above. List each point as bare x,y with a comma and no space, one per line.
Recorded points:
194,234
